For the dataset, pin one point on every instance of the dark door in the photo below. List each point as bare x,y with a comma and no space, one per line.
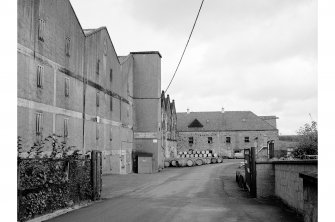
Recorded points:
250,170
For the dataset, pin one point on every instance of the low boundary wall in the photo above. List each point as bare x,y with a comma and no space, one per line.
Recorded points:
281,179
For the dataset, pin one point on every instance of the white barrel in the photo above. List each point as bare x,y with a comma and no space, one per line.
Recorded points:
185,152
215,155
204,155
209,155
207,152
189,152
187,155
198,152
200,155
192,155
196,155
178,156
180,153
183,156
166,163
203,152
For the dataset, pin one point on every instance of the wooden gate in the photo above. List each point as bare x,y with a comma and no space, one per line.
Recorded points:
250,170
96,164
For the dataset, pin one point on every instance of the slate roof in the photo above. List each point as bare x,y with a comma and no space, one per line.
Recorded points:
218,121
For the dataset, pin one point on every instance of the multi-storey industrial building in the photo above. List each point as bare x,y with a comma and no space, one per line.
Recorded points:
226,132
169,127
72,83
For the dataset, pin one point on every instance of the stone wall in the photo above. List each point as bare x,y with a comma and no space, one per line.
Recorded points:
288,185
219,143
265,179
281,179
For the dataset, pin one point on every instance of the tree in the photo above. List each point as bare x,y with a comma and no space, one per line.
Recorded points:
308,141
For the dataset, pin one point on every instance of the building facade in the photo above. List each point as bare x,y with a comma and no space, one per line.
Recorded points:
169,127
226,133
72,83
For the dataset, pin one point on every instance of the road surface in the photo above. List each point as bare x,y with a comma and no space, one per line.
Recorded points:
203,193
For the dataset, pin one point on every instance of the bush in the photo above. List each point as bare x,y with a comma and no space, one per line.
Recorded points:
308,141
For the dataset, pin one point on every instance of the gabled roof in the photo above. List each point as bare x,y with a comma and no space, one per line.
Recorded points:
227,121
195,123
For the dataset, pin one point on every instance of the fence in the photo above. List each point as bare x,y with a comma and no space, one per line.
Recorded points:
46,185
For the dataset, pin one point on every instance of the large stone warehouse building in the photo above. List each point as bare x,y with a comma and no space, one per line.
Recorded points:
226,132
72,83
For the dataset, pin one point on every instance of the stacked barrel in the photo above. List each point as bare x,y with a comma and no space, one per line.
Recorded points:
193,158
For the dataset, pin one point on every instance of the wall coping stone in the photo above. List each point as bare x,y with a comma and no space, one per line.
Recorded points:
309,176
293,162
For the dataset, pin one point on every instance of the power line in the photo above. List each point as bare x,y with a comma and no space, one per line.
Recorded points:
185,46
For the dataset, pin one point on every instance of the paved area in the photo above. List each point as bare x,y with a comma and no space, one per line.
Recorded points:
204,193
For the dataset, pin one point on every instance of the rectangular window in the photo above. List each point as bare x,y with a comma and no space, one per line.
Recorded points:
190,140
227,139
97,99
210,140
67,46
97,68
39,123
40,71
111,75
111,103
66,132
246,139
67,87
41,28
111,135
97,131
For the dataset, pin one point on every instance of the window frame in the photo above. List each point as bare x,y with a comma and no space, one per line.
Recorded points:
97,99
246,139
228,139
97,67
38,123
210,140
111,75
97,132
66,128
111,103
67,46
39,76
41,29
190,140
67,87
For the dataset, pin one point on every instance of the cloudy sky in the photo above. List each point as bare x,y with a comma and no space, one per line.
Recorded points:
257,55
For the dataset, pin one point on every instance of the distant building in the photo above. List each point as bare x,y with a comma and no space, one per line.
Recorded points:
226,132
169,127
72,83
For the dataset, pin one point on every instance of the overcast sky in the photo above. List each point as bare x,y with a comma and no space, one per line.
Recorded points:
257,55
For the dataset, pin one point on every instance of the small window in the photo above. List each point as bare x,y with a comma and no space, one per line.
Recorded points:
97,132
190,140
97,99
41,28
246,139
66,132
67,87
111,75
40,72
67,46
97,68
39,123
111,104
111,135
228,139
210,140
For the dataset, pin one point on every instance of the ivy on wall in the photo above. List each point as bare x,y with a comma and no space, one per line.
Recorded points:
49,184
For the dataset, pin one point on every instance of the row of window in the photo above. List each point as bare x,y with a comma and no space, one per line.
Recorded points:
41,36
39,127
40,73
210,140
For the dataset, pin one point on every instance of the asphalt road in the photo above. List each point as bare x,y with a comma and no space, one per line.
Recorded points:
204,193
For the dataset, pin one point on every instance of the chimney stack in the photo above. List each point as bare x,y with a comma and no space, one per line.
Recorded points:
188,111
222,110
